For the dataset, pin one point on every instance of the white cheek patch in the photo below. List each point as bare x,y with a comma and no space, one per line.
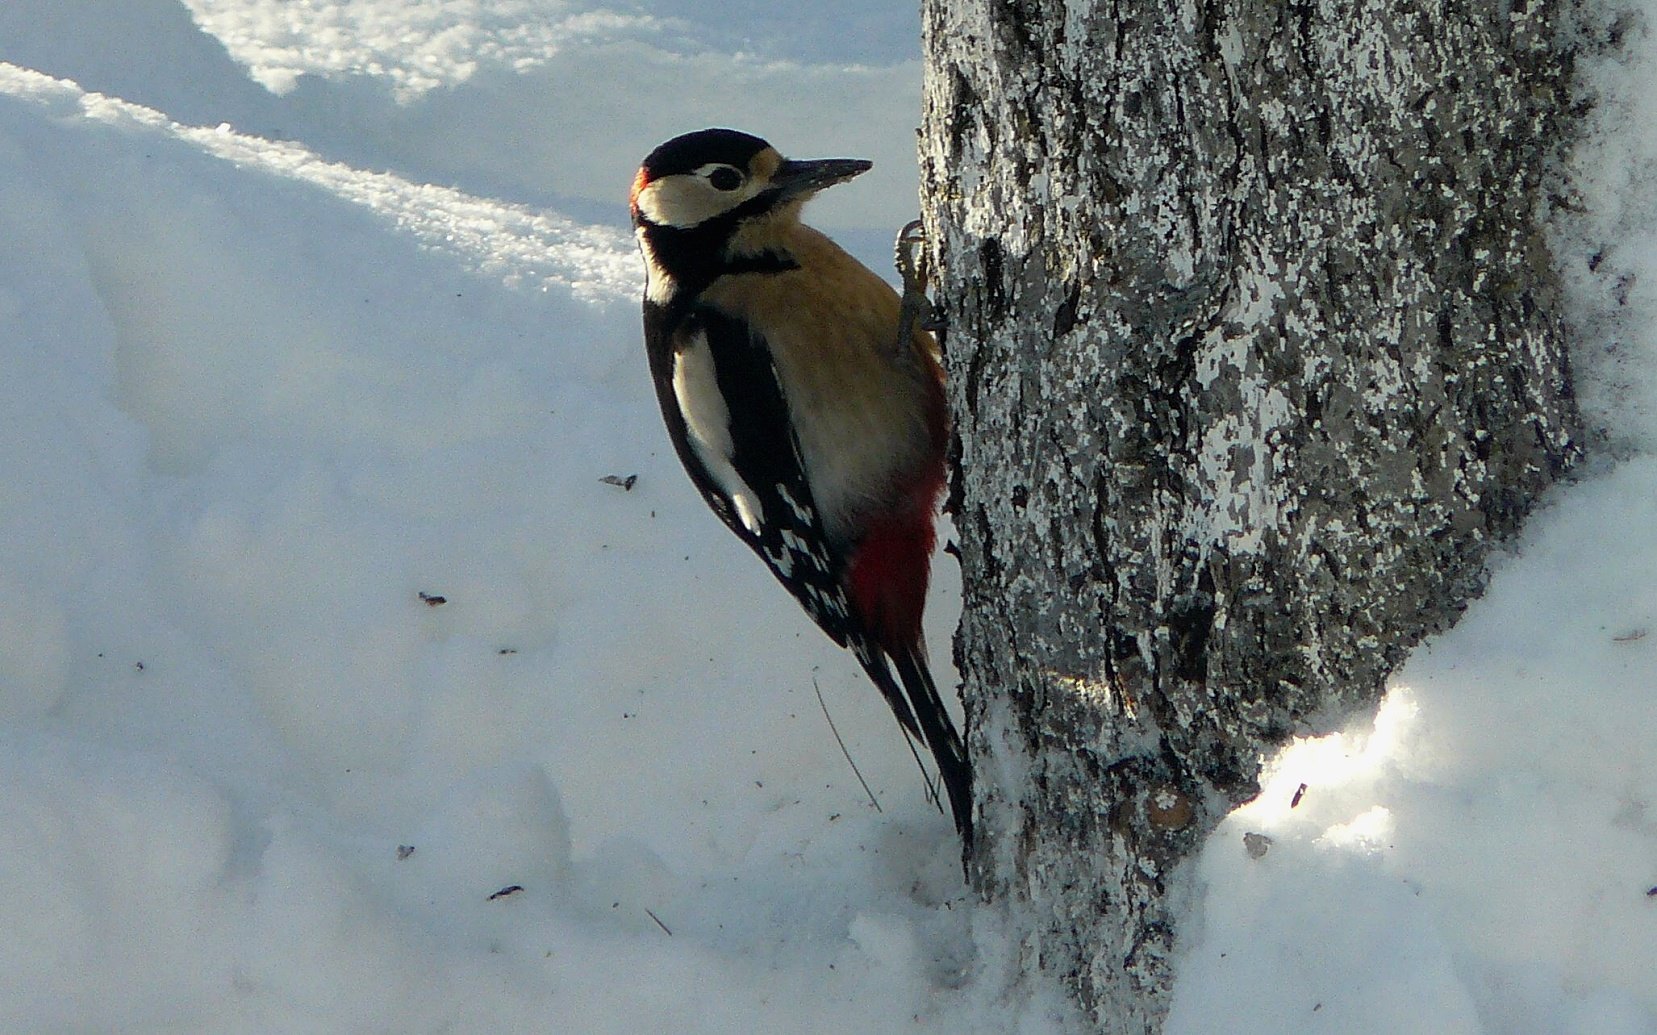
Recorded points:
681,201
685,200
708,421
655,202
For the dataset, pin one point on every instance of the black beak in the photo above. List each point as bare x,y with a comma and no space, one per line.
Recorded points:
796,178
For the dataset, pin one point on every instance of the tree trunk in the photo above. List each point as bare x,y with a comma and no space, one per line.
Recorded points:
1252,352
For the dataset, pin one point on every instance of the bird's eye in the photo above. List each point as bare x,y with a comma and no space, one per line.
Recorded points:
725,178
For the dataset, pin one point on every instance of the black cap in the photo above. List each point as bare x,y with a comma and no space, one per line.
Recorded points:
694,150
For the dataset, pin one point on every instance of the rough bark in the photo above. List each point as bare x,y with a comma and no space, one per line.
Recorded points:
1252,355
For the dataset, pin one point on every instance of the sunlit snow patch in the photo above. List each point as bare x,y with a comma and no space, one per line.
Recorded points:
519,244
418,45
1311,767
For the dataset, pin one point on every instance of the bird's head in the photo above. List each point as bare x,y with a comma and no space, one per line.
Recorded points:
720,178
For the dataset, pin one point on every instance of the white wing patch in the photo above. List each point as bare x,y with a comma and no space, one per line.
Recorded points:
708,422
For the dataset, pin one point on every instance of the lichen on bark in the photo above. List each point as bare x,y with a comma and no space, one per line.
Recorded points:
1252,356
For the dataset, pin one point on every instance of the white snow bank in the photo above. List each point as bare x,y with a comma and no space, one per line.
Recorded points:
258,398
258,403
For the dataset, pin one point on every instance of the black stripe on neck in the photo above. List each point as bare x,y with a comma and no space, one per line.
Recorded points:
767,261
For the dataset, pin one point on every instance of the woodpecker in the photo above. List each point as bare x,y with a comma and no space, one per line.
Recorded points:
811,425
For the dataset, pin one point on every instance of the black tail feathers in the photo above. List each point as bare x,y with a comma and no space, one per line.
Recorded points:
941,737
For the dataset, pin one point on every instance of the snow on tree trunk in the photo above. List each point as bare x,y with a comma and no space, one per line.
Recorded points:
1252,354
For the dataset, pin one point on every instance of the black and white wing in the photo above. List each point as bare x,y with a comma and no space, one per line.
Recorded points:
750,471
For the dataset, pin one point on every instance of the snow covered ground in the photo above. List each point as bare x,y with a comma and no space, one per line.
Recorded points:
312,312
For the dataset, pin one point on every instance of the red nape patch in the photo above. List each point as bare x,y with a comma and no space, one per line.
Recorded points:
640,182
888,575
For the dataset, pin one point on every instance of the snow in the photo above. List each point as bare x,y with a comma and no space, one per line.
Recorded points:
312,308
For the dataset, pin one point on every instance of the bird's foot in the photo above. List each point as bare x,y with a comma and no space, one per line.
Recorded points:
909,254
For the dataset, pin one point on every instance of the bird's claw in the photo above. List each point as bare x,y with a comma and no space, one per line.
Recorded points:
909,256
